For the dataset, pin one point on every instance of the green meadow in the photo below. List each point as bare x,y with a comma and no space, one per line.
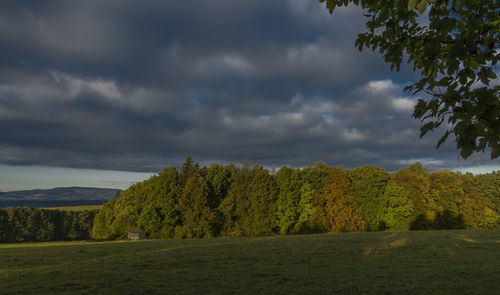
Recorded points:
418,262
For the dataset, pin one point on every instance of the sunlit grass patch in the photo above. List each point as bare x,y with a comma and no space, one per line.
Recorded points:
76,208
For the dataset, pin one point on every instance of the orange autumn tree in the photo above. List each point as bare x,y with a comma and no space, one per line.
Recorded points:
334,205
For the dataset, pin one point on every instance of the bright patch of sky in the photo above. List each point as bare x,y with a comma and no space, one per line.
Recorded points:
42,177
479,169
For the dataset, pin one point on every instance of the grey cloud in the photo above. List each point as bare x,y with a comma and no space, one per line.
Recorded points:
137,86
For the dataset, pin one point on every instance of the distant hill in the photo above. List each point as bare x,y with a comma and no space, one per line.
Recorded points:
59,196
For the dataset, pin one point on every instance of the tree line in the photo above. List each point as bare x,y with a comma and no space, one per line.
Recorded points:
44,225
199,202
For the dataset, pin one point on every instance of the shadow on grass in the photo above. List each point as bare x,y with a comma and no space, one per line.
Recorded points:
442,220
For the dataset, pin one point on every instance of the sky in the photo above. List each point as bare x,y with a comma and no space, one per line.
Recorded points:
14,178
116,90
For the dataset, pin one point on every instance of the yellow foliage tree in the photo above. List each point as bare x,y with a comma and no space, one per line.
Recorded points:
334,205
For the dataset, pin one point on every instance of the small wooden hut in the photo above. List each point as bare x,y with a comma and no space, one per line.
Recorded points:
134,235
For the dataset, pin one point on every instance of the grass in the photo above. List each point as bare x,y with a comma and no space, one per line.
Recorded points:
76,208
426,262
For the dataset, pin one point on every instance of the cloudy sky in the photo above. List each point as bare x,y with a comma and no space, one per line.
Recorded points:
136,86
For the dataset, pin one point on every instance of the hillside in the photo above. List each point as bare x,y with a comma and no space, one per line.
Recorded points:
419,262
60,196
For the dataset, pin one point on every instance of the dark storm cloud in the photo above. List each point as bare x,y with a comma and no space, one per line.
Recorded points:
137,85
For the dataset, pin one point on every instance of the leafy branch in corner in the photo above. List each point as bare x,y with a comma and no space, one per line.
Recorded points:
456,50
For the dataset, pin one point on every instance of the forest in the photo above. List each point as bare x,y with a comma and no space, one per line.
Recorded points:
44,225
204,202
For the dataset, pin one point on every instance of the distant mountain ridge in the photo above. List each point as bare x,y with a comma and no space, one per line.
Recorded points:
59,196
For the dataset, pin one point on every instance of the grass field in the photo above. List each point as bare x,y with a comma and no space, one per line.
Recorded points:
76,208
429,262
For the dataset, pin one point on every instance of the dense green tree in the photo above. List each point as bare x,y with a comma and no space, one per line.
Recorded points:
490,219
454,192
43,225
230,207
262,193
150,206
313,179
163,204
305,209
150,220
189,169
289,182
121,215
197,217
85,223
125,221
248,209
369,184
454,46
488,187
418,184
71,226
4,226
398,207
218,179
17,218
316,176
418,169
104,219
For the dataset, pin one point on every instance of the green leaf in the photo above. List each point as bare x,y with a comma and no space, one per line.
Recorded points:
412,4
467,149
495,153
473,63
482,143
330,5
426,128
420,109
491,74
462,78
443,138
422,6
